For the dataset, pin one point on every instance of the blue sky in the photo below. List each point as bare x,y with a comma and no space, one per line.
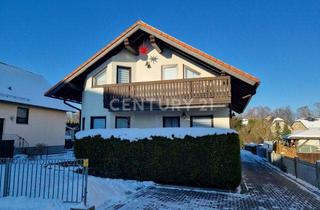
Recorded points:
277,41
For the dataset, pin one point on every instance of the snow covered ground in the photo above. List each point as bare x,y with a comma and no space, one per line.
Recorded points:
101,192
137,133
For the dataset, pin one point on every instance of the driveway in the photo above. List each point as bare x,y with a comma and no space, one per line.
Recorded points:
263,187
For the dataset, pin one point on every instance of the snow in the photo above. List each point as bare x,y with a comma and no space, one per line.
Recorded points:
315,123
311,133
247,156
101,191
105,191
277,119
21,86
134,134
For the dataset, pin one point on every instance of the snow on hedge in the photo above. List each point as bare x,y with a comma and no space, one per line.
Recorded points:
134,134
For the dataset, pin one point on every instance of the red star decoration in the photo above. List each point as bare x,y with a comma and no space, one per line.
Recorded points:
143,50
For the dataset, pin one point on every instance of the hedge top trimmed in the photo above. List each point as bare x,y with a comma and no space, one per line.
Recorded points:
133,134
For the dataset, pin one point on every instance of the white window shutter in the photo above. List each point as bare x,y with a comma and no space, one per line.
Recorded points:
170,73
202,121
123,75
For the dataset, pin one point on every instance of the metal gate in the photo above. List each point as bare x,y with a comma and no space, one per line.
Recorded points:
65,180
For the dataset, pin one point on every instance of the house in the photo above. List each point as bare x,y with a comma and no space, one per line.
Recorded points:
146,78
277,125
306,143
305,124
26,115
244,121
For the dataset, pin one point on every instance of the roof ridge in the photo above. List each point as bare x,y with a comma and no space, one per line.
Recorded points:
21,69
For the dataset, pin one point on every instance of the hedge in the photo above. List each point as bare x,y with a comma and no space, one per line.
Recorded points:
208,161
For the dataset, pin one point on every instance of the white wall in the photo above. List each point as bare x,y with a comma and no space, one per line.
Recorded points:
92,98
45,126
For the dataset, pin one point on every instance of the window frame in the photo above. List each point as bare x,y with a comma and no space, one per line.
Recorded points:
170,117
92,118
124,67
122,117
185,67
27,117
199,116
83,123
163,67
94,85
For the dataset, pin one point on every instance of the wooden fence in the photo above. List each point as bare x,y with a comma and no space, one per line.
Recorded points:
292,153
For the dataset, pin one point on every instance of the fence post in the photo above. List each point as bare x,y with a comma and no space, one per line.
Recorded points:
6,184
295,166
86,166
318,173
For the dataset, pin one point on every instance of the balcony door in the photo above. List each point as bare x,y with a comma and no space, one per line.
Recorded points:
1,127
123,74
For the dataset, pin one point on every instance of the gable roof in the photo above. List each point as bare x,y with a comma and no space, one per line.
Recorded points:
24,87
313,133
249,81
310,124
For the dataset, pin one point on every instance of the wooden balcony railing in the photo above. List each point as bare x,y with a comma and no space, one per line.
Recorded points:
168,93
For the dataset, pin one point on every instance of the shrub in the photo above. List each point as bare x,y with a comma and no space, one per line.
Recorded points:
208,161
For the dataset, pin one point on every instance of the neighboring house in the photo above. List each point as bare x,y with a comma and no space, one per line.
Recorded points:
305,124
277,122
146,78
26,115
244,121
307,141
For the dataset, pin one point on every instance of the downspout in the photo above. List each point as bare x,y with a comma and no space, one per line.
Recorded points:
80,113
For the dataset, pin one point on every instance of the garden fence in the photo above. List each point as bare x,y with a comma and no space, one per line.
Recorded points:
308,172
65,180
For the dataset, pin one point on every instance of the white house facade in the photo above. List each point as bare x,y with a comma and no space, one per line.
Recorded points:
26,115
148,79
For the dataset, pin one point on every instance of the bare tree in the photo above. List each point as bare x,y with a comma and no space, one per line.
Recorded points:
285,113
304,112
317,109
258,112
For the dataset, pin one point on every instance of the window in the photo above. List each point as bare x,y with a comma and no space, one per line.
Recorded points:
83,123
99,79
98,122
201,121
122,122
123,74
190,73
171,122
22,115
169,72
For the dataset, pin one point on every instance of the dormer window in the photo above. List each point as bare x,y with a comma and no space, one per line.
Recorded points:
99,79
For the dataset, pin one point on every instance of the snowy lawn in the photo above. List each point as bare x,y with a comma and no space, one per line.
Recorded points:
134,134
101,192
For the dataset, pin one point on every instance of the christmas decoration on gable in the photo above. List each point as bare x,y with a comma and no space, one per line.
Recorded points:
143,51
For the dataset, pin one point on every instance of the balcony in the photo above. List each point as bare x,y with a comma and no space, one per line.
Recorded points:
155,95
